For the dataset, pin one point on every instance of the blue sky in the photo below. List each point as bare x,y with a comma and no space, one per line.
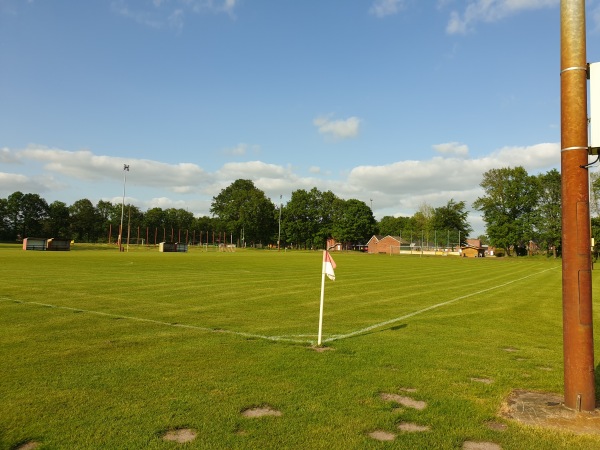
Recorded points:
393,102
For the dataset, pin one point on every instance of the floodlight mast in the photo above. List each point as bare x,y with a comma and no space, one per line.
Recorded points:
279,234
578,344
125,170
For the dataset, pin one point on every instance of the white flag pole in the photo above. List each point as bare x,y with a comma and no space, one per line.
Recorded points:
322,299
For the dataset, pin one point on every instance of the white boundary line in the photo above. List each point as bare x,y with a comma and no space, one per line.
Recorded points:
285,338
159,322
429,308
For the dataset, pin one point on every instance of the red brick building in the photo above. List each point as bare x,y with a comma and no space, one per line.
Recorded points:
386,244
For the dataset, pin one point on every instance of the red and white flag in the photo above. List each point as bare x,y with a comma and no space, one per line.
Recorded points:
328,265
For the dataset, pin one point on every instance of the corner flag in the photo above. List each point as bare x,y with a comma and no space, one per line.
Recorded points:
328,265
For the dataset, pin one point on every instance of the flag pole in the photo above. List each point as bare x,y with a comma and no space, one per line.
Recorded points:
321,308
326,269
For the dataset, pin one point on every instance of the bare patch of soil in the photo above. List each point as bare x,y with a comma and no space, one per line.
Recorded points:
483,380
380,435
497,426
181,435
412,427
31,445
510,349
321,349
471,445
404,401
261,412
547,410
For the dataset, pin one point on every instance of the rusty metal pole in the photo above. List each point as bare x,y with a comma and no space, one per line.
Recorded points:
576,257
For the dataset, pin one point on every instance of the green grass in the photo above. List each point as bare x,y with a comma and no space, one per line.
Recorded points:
108,350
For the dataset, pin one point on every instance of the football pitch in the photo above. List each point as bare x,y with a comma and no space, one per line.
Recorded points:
108,350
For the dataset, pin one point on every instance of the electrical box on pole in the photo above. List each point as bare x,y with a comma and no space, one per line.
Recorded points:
594,73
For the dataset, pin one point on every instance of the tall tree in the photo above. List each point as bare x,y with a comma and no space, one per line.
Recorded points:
548,211
309,216
244,209
300,218
24,215
4,220
452,220
354,222
85,221
423,221
508,206
57,224
394,226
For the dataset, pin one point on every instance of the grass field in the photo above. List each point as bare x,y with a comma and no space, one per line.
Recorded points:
109,350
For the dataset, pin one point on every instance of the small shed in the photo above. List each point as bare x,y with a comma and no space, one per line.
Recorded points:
32,243
167,247
58,245
473,249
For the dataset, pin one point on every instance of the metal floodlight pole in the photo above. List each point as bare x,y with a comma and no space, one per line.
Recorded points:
279,235
128,226
578,344
125,170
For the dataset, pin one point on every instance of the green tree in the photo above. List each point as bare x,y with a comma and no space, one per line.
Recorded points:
395,226
300,218
244,210
4,222
24,215
354,222
109,216
178,221
548,211
308,218
154,219
85,221
423,223
508,206
450,222
204,227
57,224
328,207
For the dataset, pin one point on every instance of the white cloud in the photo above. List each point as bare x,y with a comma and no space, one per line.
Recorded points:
251,169
338,129
7,157
160,15
12,182
242,149
383,8
452,148
397,188
491,11
84,165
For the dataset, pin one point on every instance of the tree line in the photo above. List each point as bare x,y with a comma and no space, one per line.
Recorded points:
522,212
241,213
517,209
